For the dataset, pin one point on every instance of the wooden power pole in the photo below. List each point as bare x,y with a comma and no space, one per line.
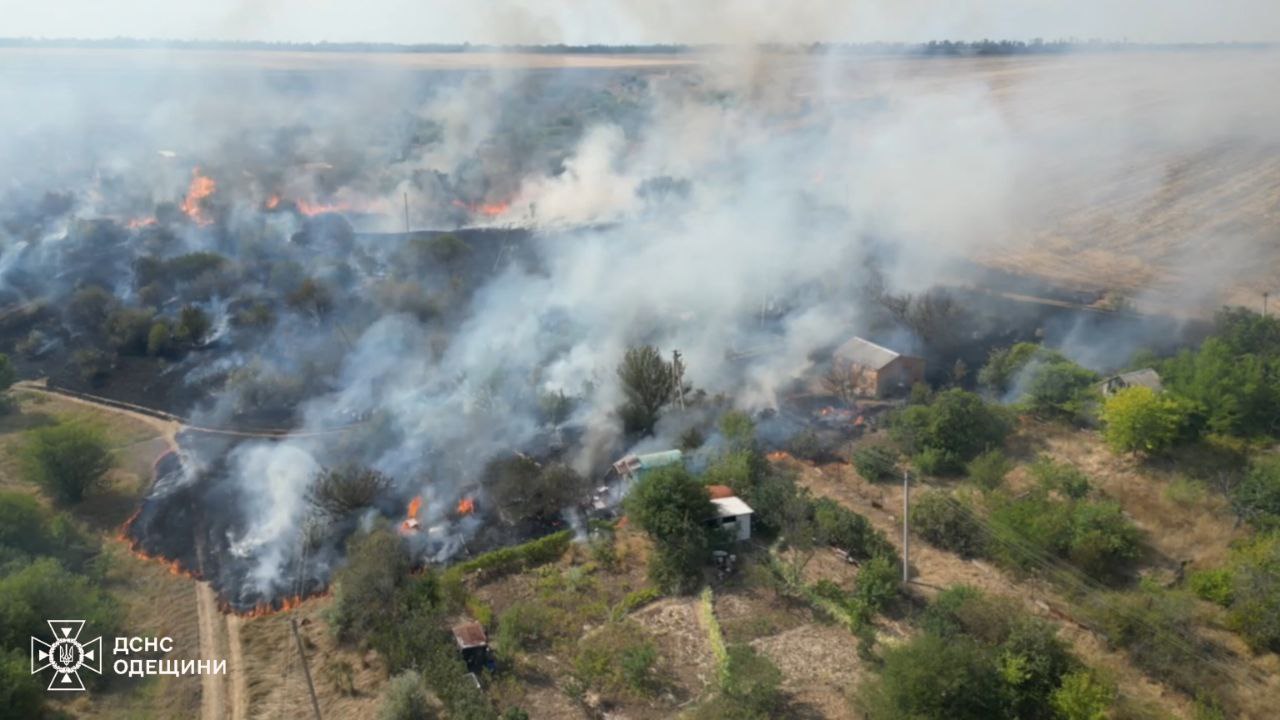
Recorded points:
406,213
906,522
306,670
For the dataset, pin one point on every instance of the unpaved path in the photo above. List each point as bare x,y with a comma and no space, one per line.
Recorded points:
221,696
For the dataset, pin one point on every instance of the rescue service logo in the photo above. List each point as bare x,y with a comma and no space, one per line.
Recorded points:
66,655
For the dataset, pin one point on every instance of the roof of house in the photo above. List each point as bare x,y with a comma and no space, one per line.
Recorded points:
648,461
469,635
861,351
731,507
719,491
1146,377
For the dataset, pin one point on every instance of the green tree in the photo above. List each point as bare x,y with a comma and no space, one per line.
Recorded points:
752,684
1253,603
193,325
1257,498
45,589
842,528
648,383
8,376
159,339
67,459
672,506
365,588
1083,696
342,490
952,430
876,463
1138,419
20,691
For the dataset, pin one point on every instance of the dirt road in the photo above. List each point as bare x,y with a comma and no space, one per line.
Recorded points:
222,697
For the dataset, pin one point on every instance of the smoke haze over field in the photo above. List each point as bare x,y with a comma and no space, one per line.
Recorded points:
737,206
648,21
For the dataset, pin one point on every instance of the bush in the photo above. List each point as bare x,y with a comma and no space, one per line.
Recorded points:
1083,696
45,589
525,626
1213,585
159,339
128,330
752,684
518,557
1156,627
1138,419
989,469
67,460
946,523
672,506
876,463
874,589
1059,388
193,325
806,445
1103,543
618,659
951,431
405,698
840,527
1254,597
932,677
20,690
1061,477
365,588
1257,499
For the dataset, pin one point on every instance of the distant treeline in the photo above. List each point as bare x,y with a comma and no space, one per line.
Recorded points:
947,48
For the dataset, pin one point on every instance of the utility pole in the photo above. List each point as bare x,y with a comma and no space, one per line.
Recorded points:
1265,295
406,213
906,538
306,670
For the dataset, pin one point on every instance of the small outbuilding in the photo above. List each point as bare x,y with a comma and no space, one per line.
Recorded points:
473,645
873,370
1146,377
732,514
632,467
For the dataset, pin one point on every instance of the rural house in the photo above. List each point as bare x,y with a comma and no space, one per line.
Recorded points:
732,513
1146,377
874,370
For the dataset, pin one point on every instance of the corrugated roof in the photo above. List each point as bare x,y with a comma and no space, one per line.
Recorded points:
469,635
731,507
719,491
860,351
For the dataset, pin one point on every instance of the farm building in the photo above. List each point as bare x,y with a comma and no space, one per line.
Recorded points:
1146,377
632,467
873,370
473,645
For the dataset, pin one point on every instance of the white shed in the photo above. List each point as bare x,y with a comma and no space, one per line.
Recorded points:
734,516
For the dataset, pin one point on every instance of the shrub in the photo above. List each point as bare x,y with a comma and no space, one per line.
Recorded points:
671,505
1213,585
364,589
525,626
1254,609
1083,696
67,460
618,659
874,589
989,469
518,557
44,589
1060,476
840,527
951,431
876,463
752,683
20,690
127,330
1156,627
159,339
1257,498
932,677
405,698
806,445
1103,541
946,523
1138,419
193,325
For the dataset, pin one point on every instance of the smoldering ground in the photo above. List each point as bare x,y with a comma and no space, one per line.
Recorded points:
744,202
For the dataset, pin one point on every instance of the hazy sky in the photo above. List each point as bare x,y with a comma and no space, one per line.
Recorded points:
641,21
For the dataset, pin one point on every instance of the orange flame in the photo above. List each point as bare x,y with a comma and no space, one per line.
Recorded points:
779,455
201,187
311,209
411,518
272,202
466,506
138,223
492,209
